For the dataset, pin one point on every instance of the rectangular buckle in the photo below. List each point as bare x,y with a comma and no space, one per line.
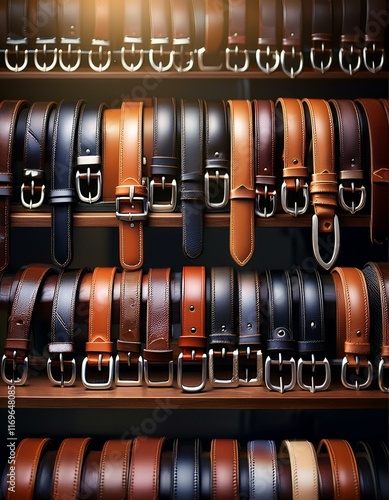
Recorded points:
225,190
231,382
131,216
180,364
158,383
62,381
129,382
20,380
280,362
34,176
163,206
88,176
97,385
258,379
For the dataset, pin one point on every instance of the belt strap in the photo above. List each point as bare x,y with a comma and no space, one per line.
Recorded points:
61,196
225,469
160,28
324,185
374,49
292,59
322,34
99,346
181,11
379,458
192,188
134,26
69,21
131,195
353,325
236,39
111,152
18,19
349,52
44,476
242,194
89,486
158,349
267,55
349,151
344,468
367,479
46,35
186,469
114,467
101,36
263,470
213,35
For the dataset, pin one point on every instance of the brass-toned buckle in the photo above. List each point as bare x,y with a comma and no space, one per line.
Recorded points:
354,207
381,367
158,383
88,176
186,59
14,380
98,385
128,382
245,356
69,52
226,188
322,51
236,52
313,362
132,52
100,67
32,189
356,385
352,53
315,242
292,55
167,206
280,362
62,381
269,55
373,50
200,61
131,216
266,205
296,210
180,366
45,52
224,383
16,68
160,67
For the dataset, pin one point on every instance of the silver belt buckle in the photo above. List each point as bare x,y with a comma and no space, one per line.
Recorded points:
158,383
185,63
315,242
200,61
20,380
132,51
258,378
373,51
120,382
45,42
83,161
226,189
163,207
313,363
98,385
292,55
33,187
269,54
69,52
236,52
263,202
100,67
323,50
280,362
131,217
16,68
224,383
62,381
356,385
381,368
180,366
297,210
351,52
362,198
160,67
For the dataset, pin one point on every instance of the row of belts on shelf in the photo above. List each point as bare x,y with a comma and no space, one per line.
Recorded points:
203,34
223,327
195,155
220,468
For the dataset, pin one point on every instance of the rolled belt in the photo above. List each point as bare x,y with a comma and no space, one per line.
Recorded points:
263,470
114,467
224,456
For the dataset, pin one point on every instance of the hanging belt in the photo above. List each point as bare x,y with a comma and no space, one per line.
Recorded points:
225,469
134,13
237,37
292,38
267,37
101,37
374,49
160,20
213,36
263,470
186,469
182,33
69,19
46,34
349,54
99,346
111,127
321,36
114,467
17,34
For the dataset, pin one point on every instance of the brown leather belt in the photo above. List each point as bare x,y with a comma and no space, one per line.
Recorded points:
374,49
292,38
111,152
181,11
17,34
101,37
349,52
46,34
114,467
160,27
69,20
321,37
134,25
225,469
213,36
237,37
89,484
267,37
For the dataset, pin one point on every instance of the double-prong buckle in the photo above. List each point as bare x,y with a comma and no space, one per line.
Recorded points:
325,62
69,52
16,68
292,55
163,206
354,207
280,362
100,66
106,384
296,210
88,176
132,198
381,368
244,357
62,381
160,67
204,67
352,53
186,59
167,382
180,366
313,362
225,188
316,246
133,52
15,379
120,382
229,382
45,52
32,188
372,50
269,55
236,52
356,384
266,205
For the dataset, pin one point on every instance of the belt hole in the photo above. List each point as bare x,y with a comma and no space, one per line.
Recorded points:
193,329
191,308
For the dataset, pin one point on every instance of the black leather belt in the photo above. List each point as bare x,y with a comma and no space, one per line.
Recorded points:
89,145
133,30
61,196
181,12
367,480
263,470
374,49
192,187
44,475
349,53
186,469
160,27
267,55
101,37
46,35
236,48
292,59
17,34
379,456
321,37
69,20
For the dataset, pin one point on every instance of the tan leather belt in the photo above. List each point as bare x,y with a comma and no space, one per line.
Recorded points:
46,34
101,37
69,20
225,469
267,37
160,27
292,16
349,52
114,467
237,37
111,152
181,11
321,37
134,26
242,194
374,49
213,36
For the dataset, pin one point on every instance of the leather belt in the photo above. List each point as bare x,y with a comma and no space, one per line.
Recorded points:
101,37
217,155
61,346
44,476
267,37
99,346
111,152
374,49
192,188
134,22
344,468
158,351
237,37
61,196
192,341
69,20
264,152
16,344
68,468
222,337
242,194
280,339
366,473
46,35
378,126
128,344
263,470
249,343
89,484
321,37
353,326
324,185
186,469
213,36
35,139
181,34
294,173
144,468
160,25
349,52
379,458
131,195
292,17
9,111
114,467
89,144
349,134
304,468
311,327
225,469
17,34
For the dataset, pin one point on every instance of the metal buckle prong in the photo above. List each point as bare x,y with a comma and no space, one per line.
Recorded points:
133,41
15,43
323,50
88,175
62,382
180,366
45,51
313,362
158,383
163,207
226,189
272,197
315,242
100,67
356,386
352,51
236,51
69,52
284,199
258,379
293,54
97,385
280,362
362,200
231,382
373,50
128,382
14,381
269,54
381,367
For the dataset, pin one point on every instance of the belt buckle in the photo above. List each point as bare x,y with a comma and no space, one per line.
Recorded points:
62,381
131,217
322,50
351,52
180,365
15,43
236,51
160,67
70,42
225,383
280,362
293,55
133,51
163,207
200,61
353,189
158,383
97,385
14,381
356,386
258,379
269,54
315,242
31,174
284,199
100,67
128,382
88,176
263,201
373,50
381,367
181,68
45,51
226,188
313,363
